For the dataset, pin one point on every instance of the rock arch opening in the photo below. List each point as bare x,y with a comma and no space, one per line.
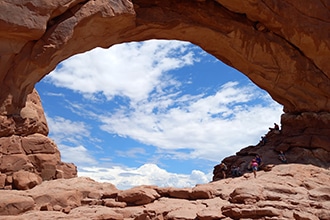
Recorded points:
140,105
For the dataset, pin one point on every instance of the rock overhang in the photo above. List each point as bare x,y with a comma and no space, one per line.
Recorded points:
282,47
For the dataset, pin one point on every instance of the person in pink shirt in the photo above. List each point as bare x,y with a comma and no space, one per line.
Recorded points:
254,166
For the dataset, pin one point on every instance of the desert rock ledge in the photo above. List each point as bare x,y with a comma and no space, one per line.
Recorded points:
282,46
291,191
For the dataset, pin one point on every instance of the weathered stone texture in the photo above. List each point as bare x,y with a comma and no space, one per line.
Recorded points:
289,191
304,138
138,196
25,180
27,155
282,46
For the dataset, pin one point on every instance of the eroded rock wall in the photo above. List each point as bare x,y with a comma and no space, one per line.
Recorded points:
303,138
282,46
27,155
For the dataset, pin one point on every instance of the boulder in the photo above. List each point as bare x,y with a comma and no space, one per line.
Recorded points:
56,199
202,191
13,163
13,203
180,193
138,195
38,144
24,180
66,194
248,194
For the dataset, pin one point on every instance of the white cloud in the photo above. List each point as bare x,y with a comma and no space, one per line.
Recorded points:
132,153
211,126
63,130
78,155
147,174
131,70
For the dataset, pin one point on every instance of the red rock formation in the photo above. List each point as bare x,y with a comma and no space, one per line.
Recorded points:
289,191
304,138
27,155
282,46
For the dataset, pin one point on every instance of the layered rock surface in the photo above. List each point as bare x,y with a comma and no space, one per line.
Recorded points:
27,155
287,192
282,46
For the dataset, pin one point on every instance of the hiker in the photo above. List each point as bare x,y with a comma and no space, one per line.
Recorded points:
259,160
282,157
235,171
254,166
223,168
276,129
263,140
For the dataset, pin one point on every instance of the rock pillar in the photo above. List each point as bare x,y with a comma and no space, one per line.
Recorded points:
27,155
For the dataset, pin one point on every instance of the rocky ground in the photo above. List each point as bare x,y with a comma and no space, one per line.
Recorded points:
290,191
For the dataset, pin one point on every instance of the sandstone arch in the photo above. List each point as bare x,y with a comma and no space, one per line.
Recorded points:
282,46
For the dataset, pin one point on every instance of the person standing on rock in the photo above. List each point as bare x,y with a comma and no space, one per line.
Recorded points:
276,129
263,140
223,168
254,166
235,171
259,160
282,157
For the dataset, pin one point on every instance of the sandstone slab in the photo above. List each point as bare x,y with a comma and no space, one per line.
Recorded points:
289,191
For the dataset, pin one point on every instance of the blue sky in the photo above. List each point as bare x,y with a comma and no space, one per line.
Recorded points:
155,112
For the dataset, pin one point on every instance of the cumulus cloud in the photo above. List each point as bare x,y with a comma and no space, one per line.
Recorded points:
130,70
78,155
213,125
69,135
147,174
64,130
